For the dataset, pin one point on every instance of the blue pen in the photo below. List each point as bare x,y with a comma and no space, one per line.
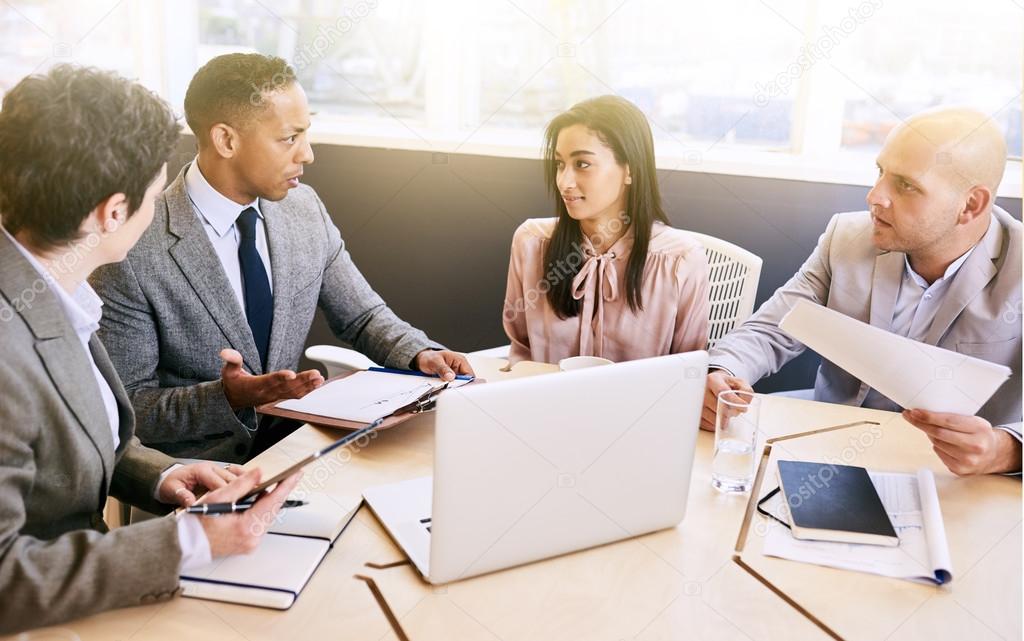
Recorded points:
409,372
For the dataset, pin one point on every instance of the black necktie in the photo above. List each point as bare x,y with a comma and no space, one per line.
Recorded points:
259,303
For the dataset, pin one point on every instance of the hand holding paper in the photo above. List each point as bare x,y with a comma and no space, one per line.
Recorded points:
912,374
967,444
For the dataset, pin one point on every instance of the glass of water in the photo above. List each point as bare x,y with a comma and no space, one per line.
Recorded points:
732,468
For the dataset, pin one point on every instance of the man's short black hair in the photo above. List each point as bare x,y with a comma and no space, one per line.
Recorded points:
70,139
232,89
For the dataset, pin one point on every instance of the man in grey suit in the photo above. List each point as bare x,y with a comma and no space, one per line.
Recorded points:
241,255
934,260
82,158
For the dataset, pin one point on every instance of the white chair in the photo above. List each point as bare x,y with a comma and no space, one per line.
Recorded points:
734,274
338,360
341,360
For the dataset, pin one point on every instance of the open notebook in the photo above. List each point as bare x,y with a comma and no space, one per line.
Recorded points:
274,574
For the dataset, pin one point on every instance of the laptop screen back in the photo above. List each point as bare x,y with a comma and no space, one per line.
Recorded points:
541,466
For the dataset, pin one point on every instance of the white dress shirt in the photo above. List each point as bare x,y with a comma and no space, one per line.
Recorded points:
84,309
218,214
916,306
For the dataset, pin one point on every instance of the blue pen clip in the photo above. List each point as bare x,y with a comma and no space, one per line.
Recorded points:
410,372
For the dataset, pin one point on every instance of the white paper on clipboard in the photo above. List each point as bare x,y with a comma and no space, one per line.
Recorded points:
364,397
914,375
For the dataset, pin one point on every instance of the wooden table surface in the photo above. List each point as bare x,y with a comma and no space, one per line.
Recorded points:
675,584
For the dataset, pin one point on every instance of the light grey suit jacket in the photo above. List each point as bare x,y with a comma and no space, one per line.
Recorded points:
57,464
980,314
169,310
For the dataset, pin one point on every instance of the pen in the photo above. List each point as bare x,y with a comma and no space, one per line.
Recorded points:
409,372
228,508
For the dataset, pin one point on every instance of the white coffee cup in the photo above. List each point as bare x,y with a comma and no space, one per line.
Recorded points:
581,362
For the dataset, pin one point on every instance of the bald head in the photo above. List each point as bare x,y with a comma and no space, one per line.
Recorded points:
966,146
937,178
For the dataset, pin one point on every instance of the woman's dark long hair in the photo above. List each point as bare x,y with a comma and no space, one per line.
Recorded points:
624,129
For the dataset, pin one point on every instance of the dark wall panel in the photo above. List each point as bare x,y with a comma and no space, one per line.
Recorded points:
431,232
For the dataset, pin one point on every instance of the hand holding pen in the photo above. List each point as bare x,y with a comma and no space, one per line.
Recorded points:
240,532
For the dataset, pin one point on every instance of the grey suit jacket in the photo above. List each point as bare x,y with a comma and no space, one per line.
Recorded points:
57,464
980,314
169,310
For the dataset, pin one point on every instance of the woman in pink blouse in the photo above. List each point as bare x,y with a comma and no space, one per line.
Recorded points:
608,276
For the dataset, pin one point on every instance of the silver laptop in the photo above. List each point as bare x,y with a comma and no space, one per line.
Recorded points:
536,467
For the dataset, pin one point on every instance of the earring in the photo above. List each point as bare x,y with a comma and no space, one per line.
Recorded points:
629,180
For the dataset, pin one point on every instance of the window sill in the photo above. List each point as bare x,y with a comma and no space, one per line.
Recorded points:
841,168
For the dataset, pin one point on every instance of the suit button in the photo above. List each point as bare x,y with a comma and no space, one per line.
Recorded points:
240,449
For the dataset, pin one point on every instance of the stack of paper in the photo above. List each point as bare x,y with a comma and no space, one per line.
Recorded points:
913,506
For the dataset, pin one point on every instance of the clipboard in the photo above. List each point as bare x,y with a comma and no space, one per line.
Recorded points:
399,416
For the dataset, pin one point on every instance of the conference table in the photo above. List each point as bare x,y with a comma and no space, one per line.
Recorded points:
679,583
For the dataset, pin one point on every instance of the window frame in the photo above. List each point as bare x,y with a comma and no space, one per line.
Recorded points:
814,154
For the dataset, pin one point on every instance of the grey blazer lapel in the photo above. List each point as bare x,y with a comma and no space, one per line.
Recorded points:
126,416
973,276
58,348
71,373
885,287
286,251
202,269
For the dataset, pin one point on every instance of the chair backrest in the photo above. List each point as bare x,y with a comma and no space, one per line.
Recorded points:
734,274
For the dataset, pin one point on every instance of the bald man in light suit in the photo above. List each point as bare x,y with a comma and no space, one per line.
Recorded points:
933,260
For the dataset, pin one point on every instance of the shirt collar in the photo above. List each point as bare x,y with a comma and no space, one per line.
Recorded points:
619,248
84,308
219,211
953,268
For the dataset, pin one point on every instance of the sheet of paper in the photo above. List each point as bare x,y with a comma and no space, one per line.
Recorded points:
934,528
324,516
280,562
913,374
912,504
365,396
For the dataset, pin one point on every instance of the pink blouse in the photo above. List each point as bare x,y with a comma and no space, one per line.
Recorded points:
674,287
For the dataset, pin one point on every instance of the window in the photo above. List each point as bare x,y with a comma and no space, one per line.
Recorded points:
808,77
35,35
915,54
693,68
352,58
814,85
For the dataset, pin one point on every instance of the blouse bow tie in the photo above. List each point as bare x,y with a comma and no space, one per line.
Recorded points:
598,274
